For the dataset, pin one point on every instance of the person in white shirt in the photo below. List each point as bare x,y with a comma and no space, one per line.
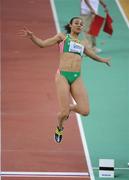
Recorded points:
89,8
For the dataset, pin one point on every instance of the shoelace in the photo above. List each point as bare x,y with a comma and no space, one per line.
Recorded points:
59,131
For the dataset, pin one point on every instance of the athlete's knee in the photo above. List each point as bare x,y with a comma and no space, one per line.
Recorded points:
85,112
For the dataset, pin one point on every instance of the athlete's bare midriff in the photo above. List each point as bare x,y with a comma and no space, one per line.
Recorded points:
70,62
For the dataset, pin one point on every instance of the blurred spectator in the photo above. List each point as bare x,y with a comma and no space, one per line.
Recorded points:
89,8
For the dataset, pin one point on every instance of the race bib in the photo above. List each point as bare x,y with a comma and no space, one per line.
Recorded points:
76,47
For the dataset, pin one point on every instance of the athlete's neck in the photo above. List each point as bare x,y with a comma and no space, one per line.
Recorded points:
74,35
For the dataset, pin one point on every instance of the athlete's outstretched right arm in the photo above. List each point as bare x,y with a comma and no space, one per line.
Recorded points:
39,42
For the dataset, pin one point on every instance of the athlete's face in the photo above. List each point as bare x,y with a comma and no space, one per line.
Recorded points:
76,25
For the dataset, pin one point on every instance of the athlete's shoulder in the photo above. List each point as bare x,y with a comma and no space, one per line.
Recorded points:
61,36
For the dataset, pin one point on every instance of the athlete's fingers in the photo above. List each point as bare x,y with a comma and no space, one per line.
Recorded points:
108,63
22,33
27,30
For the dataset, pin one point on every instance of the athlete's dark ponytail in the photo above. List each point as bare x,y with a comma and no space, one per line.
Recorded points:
67,26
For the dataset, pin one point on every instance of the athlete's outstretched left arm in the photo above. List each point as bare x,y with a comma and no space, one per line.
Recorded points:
39,42
95,57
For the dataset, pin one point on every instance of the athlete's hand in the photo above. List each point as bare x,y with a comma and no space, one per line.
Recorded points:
108,61
26,33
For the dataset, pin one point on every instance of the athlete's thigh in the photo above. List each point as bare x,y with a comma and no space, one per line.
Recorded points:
63,91
79,93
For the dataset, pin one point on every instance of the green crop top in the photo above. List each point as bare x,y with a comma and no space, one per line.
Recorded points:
70,45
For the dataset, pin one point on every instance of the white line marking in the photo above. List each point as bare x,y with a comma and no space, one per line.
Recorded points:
55,15
87,156
43,174
83,138
122,12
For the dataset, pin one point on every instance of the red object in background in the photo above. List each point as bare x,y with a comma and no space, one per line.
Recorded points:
96,25
108,25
